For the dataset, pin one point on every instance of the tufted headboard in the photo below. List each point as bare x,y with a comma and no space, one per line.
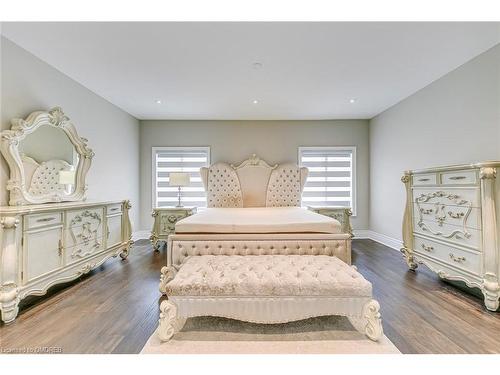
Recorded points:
253,183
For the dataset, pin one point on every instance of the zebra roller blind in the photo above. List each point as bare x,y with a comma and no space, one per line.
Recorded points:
179,159
331,179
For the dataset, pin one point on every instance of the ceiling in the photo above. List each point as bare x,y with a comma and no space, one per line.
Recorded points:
206,70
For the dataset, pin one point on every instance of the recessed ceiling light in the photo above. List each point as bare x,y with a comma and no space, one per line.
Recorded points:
257,65
158,101
255,102
352,101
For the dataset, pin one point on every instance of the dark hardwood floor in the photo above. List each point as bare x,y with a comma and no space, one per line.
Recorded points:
115,308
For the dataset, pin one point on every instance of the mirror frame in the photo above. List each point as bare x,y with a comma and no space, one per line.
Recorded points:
9,146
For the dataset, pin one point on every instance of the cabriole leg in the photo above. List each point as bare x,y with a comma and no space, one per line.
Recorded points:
9,303
410,261
155,242
491,292
371,313
169,322
126,250
370,322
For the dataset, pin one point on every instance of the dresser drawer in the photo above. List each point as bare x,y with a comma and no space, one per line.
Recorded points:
40,220
467,177
83,250
456,258
84,226
463,197
454,215
77,218
424,179
456,235
114,209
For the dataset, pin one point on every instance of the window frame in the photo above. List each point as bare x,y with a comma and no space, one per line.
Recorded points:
154,175
354,169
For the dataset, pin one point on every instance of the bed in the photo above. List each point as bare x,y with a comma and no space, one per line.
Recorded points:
257,256
254,209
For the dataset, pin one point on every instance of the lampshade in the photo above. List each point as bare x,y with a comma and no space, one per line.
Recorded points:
178,179
66,177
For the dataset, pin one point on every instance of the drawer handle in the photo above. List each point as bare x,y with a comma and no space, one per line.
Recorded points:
457,259
45,219
423,179
427,248
107,233
457,215
60,247
426,211
115,209
458,178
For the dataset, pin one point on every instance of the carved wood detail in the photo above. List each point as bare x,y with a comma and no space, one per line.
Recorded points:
9,146
84,228
440,213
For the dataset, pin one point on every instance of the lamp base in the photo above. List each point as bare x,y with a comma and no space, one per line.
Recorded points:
179,205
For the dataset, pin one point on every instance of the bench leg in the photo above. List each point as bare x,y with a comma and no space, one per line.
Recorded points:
169,322
370,323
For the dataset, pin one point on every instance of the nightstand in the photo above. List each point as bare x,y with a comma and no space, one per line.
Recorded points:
164,222
342,214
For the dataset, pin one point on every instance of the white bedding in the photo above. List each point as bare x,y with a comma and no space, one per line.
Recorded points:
257,220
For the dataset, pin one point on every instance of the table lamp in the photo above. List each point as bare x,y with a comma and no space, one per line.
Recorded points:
179,179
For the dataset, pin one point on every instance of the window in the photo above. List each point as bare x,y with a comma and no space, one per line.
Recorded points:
179,159
332,176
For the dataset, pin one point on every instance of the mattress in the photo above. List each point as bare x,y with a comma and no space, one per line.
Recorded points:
257,220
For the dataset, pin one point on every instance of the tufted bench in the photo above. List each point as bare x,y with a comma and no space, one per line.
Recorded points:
267,289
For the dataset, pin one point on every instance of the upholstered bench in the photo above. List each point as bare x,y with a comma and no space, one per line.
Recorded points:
267,289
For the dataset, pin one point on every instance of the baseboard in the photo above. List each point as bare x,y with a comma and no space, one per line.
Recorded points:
391,242
141,235
362,234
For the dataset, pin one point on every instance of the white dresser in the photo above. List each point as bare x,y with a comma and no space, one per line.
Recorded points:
44,245
49,234
450,225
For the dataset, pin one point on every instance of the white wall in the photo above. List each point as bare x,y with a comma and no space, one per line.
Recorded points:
29,84
456,119
274,141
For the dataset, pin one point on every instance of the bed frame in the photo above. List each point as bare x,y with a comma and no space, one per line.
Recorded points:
254,183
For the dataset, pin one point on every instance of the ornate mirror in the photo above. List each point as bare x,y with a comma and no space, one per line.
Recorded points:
48,161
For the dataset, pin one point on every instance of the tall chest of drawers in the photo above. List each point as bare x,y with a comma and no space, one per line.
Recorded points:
48,244
450,225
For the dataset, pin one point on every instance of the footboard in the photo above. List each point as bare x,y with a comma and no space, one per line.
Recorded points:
181,246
